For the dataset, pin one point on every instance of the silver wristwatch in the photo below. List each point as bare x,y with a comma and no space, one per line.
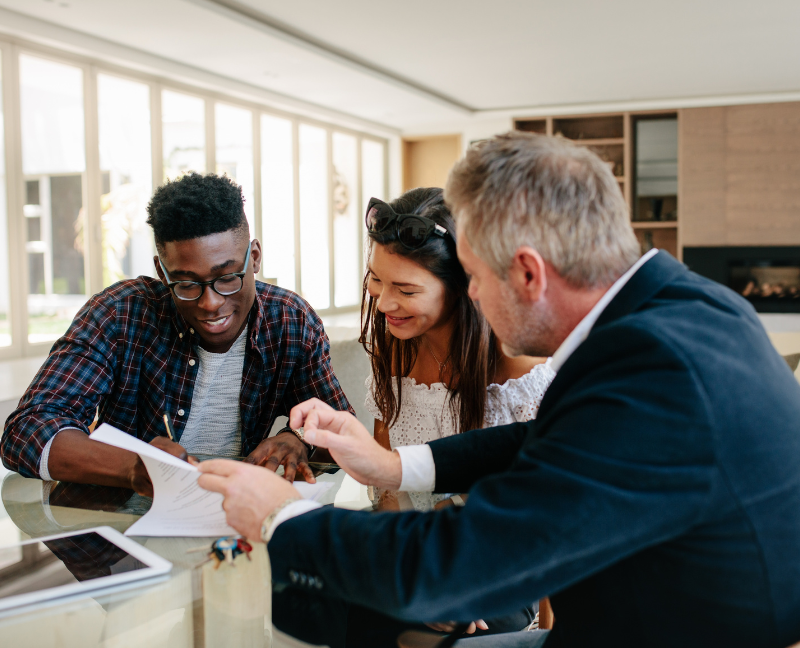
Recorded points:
300,434
267,523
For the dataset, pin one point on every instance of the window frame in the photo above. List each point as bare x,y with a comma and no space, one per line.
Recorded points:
10,51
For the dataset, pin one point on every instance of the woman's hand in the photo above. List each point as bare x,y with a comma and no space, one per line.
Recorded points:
450,501
391,500
349,442
450,626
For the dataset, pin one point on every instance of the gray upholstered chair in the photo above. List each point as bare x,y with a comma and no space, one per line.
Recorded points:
792,360
351,366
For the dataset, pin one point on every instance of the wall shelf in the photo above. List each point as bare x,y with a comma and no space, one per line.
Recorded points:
612,137
607,141
655,224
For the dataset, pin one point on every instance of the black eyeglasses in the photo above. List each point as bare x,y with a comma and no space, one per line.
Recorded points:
411,230
226,285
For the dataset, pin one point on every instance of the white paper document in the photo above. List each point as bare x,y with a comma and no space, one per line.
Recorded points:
180,507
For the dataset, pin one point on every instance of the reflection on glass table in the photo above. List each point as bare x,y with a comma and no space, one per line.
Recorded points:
318,467
192,606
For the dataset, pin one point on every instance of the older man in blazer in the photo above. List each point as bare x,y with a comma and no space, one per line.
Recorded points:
655,499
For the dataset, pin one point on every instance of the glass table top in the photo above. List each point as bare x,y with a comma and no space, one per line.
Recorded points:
195,605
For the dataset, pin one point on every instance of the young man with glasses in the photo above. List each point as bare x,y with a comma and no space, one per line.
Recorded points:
220,354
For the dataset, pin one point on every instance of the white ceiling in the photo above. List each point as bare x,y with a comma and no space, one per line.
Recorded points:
417,62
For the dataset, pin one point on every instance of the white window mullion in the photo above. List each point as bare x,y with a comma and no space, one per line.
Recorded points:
361,207
331,187
257,224
156,141
15,197
93,186
296,186
386,187
211,139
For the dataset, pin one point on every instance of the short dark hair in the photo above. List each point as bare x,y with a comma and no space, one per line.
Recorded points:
196,205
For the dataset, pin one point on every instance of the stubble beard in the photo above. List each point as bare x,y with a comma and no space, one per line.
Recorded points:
531,334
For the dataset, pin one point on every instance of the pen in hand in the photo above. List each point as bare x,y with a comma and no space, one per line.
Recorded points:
168,426
171,435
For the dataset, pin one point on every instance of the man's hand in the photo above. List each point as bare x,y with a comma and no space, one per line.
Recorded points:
283,449
349,442
250,492
138,477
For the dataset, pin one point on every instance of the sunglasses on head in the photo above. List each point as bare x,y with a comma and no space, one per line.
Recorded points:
412,231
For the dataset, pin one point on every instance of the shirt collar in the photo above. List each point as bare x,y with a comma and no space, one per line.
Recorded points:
179,324
256,320
582,330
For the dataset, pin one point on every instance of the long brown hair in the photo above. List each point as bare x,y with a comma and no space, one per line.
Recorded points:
473,353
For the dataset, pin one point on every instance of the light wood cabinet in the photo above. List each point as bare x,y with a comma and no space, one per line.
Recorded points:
611,136
740,175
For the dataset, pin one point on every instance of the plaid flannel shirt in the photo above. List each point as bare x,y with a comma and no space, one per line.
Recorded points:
131,354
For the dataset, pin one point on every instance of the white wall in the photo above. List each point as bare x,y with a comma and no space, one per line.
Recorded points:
484,128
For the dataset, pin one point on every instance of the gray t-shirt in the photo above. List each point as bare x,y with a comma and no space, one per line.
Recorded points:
215,420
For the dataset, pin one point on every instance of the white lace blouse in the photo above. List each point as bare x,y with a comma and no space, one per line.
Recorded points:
426,415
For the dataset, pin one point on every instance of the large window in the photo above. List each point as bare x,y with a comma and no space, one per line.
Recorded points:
183,131
5,288
54,165
234,135
89,147
126,166
314,252
346,222
277,202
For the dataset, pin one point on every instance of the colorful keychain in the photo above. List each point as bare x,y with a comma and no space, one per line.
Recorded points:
225,550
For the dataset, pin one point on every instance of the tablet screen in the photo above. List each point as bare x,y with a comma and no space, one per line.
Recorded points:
66,561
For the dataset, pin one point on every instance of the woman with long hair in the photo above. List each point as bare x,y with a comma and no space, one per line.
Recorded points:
437,368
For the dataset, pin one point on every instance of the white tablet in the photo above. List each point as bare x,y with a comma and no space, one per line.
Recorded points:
75,563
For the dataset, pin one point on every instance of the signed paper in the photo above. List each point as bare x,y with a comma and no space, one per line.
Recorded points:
180,507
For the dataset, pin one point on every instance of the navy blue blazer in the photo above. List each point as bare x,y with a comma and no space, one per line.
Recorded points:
656,498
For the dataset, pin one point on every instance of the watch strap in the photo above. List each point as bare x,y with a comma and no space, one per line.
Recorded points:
299,435
270,519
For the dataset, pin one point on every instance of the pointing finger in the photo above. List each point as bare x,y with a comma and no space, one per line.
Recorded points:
298,414
325,419
329,440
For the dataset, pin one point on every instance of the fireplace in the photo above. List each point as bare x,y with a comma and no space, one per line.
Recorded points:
768,277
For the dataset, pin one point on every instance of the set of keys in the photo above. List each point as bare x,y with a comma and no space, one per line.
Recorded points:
225,550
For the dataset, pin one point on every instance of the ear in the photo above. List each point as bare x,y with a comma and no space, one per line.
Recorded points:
255,255
527,275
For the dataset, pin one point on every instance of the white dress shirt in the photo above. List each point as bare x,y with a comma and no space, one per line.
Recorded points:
418,467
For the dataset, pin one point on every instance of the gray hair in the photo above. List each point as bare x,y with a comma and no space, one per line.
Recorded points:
546,192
